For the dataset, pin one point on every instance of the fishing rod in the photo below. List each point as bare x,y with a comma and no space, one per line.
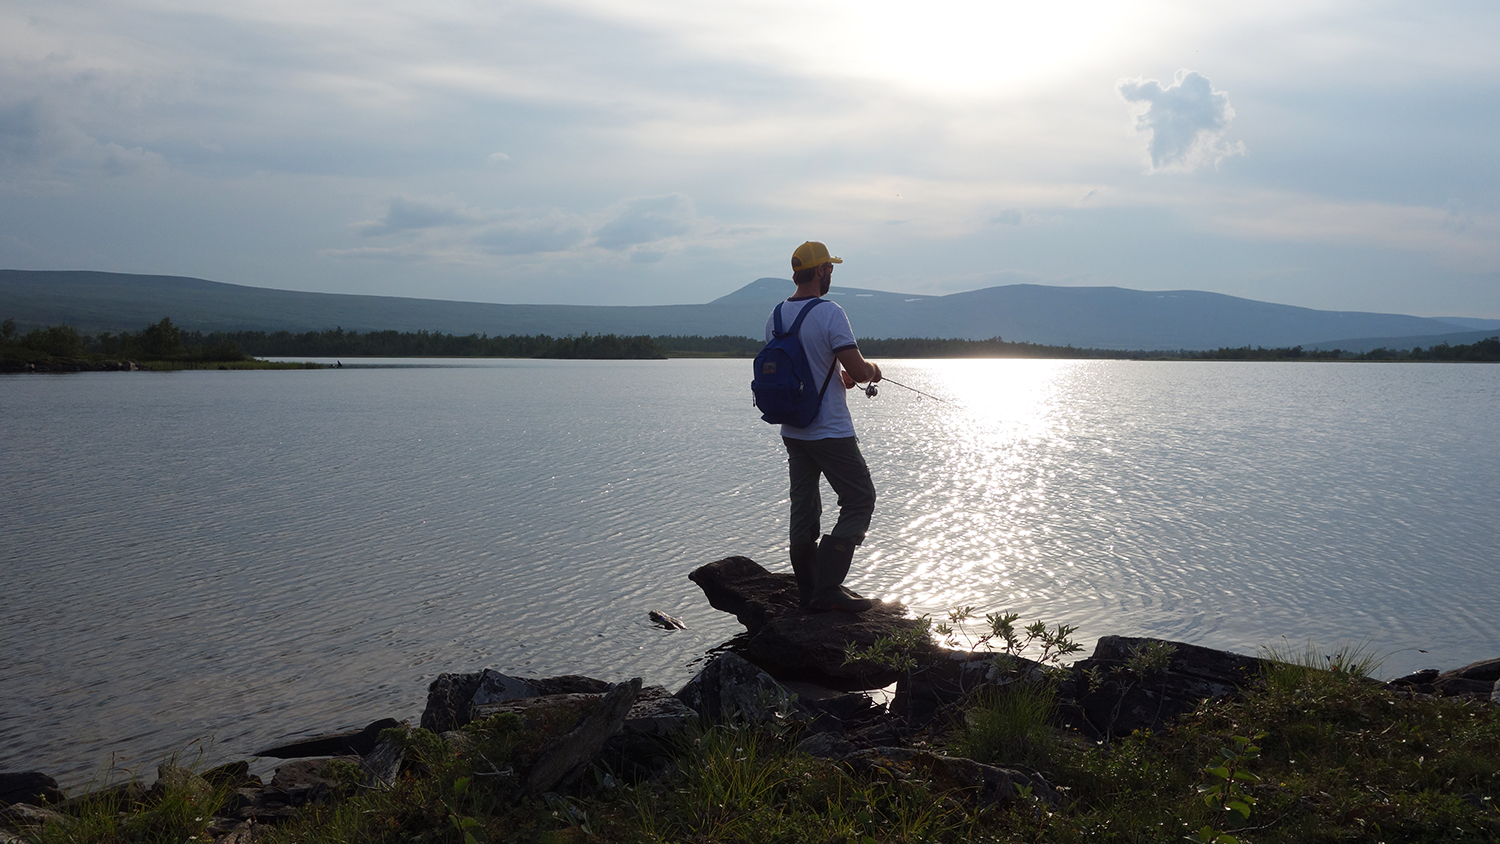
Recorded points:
872,391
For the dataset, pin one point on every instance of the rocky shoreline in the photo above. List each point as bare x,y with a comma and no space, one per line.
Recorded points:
74,366
789,668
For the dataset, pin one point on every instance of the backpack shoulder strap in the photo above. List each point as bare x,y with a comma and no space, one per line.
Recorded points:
797,326
801,315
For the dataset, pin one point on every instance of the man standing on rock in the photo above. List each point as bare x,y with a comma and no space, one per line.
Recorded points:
826,446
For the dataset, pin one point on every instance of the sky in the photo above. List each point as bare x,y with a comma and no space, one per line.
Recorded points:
1334,155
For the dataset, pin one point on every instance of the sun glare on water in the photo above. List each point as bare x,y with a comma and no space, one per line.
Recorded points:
969,479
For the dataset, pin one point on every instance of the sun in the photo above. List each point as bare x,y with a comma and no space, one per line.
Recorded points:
962,46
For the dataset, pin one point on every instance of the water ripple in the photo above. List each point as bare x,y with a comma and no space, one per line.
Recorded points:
243,557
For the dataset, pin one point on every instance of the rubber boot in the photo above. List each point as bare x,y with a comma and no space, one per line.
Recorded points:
834,558
804,566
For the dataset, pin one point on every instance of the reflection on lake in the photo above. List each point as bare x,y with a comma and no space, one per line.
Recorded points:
247,555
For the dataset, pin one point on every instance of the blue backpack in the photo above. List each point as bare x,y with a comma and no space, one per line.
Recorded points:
783,378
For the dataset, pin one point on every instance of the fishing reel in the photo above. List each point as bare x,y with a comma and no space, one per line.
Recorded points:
871,391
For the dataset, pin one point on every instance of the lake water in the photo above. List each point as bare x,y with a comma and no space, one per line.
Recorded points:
224,560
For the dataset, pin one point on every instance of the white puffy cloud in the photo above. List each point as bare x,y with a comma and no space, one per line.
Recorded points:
1185,121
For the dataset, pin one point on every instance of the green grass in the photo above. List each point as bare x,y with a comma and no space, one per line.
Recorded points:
1339,759
180,807
1009,724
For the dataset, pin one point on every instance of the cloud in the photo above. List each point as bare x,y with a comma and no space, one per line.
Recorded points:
445,226
528,233
34,136
406,214
24,133
647,219
1186,121
372,253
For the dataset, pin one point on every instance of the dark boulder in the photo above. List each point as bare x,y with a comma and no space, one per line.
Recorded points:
1477,681
640,745
1420,682
743,588
448,697
31,787
451,698
350,742
942,678
791,644
732,689
1118,690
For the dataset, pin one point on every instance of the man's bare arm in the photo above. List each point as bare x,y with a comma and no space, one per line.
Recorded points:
857,367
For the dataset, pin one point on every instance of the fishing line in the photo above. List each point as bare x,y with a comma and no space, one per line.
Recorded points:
871,391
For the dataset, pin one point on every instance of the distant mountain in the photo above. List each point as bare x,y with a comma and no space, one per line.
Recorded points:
1095,317
1475,324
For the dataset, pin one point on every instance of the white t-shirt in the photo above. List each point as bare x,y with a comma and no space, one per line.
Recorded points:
824,333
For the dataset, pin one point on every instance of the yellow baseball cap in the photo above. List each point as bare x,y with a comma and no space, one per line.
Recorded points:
811,255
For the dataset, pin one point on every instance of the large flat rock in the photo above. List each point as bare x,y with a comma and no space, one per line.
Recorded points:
791,644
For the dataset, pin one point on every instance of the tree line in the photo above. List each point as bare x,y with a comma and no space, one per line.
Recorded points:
1482,351
337,342
160,341
164,341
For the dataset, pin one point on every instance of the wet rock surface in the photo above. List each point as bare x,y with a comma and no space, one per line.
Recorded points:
789,643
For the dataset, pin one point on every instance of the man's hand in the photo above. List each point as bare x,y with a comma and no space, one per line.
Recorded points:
847,378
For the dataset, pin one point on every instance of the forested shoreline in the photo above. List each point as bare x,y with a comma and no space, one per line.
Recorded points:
165,342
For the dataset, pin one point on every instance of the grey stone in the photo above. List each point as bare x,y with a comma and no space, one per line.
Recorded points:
1486,670
654,711
175,778
383,764
1475,680
657,713
730,688
565,758
22,816
495,687
301,782
1452,686
233,774
826,746
450,697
